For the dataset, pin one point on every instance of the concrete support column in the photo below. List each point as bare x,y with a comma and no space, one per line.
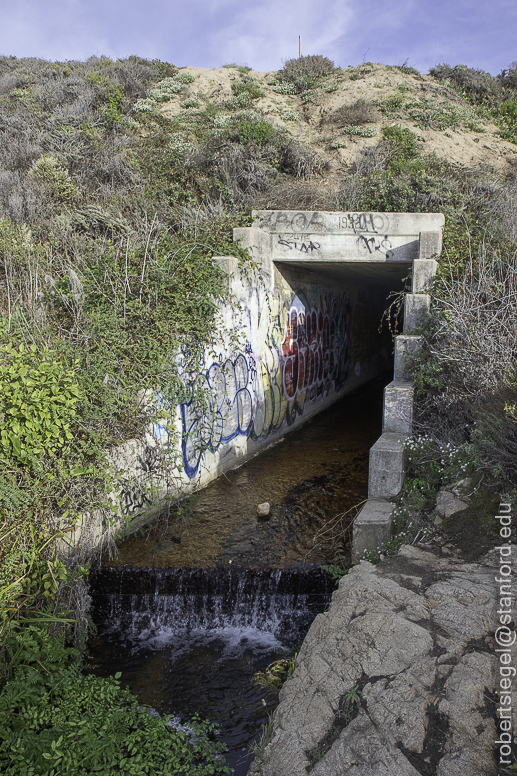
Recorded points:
405,345
416,306
424,271
430,244
398,408
386,469
373,525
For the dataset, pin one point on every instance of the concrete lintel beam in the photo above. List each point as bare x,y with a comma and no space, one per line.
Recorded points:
430,244
424,271
416,306
405,346
398,408
372,527
386,470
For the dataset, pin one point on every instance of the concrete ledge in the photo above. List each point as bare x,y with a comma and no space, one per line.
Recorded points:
415,307
372,527
386,471
398,408
424,271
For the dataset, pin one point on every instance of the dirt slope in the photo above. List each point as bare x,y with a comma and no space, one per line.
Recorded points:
444,122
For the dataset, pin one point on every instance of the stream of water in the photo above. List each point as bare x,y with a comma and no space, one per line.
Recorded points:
190,617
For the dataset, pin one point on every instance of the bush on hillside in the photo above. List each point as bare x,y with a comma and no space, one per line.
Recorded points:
466,371
478,85
305,72
360,112
301,161
56,720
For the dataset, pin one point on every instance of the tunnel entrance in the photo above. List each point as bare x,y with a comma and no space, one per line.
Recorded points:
366,254
300,333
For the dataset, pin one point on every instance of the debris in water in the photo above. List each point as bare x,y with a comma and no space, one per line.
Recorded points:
264,509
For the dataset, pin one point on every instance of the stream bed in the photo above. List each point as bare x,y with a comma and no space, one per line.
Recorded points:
189,613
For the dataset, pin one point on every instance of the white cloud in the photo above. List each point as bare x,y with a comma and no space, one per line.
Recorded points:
210,33
265,34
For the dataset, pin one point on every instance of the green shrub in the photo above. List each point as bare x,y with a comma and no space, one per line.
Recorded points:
407,70
248,86
162,69
360,131
392,104
477,85
307,71
48,171
56,720
404,140
259,132
285,88
506,117
38,398
508,78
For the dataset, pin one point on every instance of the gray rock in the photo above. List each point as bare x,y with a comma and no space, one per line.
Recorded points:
470,742
364,750
407,631
264,509
462,488
448,504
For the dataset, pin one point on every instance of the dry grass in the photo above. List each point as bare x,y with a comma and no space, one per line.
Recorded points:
299,195
302,161
470,349
360,112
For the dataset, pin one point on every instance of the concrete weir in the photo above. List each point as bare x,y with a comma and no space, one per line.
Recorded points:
301,332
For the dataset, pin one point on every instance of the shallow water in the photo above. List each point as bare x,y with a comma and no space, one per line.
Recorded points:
191,625
312,475
209,673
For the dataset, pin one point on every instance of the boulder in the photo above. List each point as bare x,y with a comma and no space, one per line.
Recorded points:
413,634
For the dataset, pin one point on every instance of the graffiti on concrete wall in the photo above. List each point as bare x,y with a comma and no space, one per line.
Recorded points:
322,222
297,355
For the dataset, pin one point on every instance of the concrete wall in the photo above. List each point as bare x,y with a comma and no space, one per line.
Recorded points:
301,333
299,351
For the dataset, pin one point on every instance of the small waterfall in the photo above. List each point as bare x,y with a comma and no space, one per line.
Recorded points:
282,602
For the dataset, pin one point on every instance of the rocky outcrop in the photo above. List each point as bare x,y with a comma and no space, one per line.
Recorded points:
413,636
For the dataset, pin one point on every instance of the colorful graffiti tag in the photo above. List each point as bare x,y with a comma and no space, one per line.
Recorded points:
297,355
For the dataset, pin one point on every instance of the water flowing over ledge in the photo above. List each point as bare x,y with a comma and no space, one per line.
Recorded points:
282,602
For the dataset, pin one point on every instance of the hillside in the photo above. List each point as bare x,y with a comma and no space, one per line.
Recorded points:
119,180
444,122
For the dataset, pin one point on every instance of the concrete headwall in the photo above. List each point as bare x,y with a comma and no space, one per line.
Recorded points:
303,330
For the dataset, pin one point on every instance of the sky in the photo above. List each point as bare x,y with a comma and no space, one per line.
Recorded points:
263,34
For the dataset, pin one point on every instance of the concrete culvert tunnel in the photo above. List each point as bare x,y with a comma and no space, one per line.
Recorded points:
355,261
302,333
